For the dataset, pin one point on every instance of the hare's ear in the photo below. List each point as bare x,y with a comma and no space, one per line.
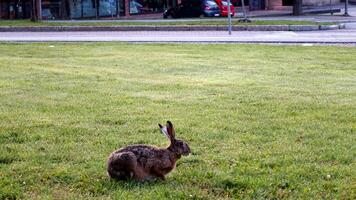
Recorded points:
170,130
164,131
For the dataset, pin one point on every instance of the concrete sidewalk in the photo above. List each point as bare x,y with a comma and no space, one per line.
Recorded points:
277,37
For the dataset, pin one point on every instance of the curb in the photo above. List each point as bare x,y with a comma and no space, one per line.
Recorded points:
172,28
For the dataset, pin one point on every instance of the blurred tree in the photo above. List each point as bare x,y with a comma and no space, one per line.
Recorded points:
35,10
297,7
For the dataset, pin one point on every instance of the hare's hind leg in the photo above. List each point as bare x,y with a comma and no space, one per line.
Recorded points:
122,166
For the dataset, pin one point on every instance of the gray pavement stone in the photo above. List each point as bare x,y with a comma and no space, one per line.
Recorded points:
256,28
303,27
328,27
268,28
279,28
203,28
342,26
239,28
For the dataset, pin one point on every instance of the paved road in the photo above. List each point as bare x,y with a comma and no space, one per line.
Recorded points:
332,36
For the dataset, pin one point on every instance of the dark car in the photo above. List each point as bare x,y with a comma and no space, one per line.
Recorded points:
193,8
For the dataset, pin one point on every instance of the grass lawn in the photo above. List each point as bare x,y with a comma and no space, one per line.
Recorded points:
263,122
168,23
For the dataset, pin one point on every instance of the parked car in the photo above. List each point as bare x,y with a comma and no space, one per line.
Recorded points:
224,8
193,8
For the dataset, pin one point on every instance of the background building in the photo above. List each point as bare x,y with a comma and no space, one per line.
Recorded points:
86,9
15,9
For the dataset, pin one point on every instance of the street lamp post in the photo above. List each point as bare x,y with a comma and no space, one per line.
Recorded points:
297,7
346,13
36,13
229,15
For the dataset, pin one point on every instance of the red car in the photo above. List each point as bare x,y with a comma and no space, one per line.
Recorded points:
224,9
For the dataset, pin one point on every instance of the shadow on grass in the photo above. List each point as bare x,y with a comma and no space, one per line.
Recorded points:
130,184
108,185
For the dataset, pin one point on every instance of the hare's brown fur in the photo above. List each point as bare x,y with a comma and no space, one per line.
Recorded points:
143,162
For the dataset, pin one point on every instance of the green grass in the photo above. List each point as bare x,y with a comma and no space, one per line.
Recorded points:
168,23
263,122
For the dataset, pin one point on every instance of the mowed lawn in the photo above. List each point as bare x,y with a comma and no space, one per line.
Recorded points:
263,122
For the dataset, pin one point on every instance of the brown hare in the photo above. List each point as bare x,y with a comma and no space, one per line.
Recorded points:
143,162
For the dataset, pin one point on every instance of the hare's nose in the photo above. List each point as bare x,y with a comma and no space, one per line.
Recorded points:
188,149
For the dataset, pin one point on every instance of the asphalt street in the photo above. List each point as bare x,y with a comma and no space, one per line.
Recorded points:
331,36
